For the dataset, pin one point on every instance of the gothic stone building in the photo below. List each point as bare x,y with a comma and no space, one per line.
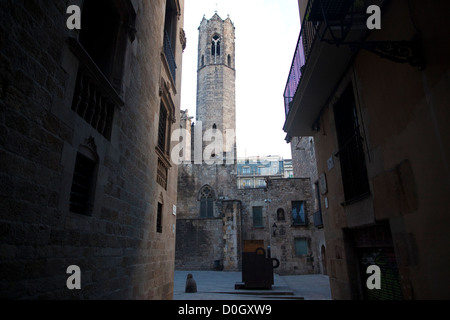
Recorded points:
216,221
85,175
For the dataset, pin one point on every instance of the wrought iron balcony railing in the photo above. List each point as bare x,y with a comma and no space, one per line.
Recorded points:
302,51
169,53
331,21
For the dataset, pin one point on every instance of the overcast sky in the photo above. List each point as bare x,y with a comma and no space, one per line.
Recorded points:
266,36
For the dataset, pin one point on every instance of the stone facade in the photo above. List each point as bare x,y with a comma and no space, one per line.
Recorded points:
207,239
304,157
67,113
397,154
216,80
216,219
201,239
278,229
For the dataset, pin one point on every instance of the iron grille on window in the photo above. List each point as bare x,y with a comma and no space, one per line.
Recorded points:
351,151
170,57
162,128
81,192
170,34
161,177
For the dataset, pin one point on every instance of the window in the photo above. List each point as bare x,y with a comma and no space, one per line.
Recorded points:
203,61
170,22
159,218
94,107
280,214
100,49
215,47
206,197
261,183
258,221
162,129
162,173
229,60
81,194
99,34
107,26
163,147
262,171
170,32
246,170
166,118
301,246
298,213
351,152
248,183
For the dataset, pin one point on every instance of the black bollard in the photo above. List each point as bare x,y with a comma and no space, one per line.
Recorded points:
191,285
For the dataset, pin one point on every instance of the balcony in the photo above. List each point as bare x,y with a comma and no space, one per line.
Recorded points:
320,59
94,99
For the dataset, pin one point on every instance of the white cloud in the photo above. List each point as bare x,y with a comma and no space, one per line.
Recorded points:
266,35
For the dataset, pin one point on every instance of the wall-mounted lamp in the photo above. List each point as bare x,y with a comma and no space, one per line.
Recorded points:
274,229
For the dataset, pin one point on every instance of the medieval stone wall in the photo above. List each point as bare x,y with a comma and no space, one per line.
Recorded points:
200,240
280,194
118,246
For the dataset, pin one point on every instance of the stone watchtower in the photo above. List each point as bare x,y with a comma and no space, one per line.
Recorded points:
208,214
216,79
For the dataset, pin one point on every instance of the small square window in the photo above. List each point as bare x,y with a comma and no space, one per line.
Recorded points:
301,246
258,221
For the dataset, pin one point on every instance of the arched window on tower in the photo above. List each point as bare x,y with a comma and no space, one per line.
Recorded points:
229,60
215,47
206,198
